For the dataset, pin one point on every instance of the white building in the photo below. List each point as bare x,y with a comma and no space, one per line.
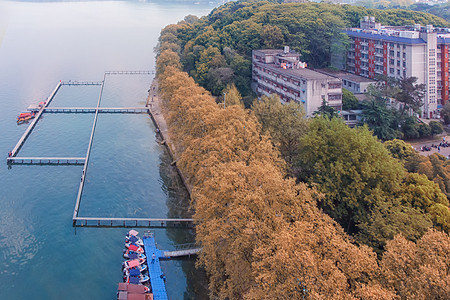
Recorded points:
281,72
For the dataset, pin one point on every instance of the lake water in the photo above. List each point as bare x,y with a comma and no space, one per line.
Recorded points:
41,255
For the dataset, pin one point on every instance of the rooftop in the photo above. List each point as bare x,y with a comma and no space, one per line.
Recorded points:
302,72
346,75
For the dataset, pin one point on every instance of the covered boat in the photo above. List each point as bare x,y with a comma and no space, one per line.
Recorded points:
139,279
133,255
133,288
140,267
134,247
131,233
134,240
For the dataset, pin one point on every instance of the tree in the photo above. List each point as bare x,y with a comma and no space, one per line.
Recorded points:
326,111
418,270
350,166
286,124
424,130
421,193
400,149
445,113
232,96
389,218
436,127
349,100
272,37
410,94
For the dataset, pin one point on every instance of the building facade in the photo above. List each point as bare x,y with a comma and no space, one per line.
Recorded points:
281,72
403,51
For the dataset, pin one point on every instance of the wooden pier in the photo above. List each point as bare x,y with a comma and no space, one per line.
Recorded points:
96,221
88,153
70,82
129,72
132,222
33,123
132,110
182,250
46,160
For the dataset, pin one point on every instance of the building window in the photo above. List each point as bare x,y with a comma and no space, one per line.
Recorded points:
404,55
391,70
398,72
404,64
398,63
404,74
398,54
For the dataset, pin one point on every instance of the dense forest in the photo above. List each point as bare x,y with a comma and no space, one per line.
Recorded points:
441,10
288,208
216,50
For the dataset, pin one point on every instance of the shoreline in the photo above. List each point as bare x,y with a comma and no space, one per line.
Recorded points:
154,105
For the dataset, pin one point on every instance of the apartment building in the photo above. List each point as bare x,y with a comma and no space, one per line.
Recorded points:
278,71
403,51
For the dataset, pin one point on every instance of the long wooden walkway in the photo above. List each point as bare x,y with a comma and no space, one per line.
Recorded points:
88,153
70,82
33,123
18,160
182,250
129,72
132,222
122,110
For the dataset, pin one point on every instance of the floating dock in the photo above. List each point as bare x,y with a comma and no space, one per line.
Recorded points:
132,222
154,268
129,72
93,221
122,110
47,160
33,124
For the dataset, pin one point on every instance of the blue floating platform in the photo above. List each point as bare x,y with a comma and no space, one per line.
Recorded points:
154,268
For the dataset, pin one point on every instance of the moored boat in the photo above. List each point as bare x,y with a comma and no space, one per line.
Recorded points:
136,279
133,247
134,240
133,255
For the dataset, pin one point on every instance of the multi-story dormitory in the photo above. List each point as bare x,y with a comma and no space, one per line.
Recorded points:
403,51
281,72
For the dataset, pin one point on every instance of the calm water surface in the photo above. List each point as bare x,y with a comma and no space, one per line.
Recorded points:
41,255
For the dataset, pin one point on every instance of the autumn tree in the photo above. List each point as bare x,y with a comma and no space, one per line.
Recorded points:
418,270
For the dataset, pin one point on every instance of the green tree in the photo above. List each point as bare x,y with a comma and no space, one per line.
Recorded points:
377,115
272,37
424,130
445,113
350,166
349,100
436,127
286,124
326,111
400,149
410,94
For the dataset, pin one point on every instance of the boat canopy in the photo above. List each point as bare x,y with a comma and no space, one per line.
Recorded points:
133,247
134,272
136,297
132,255
134,280
134,239
133,263
137,289
133,232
